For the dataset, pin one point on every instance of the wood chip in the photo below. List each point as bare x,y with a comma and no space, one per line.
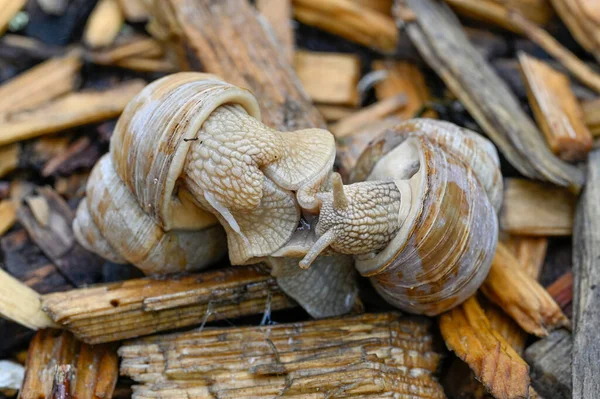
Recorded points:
382,6
69,111
536,209
56,238
556,109
134,308
581,18
40,84
591,115
497,12
550,365
8,215
135,46
562,291
574,65
467,333
365,356
21,304
9,158
586,276
367,115
333,113
329,78
279,15
40,209
8,9
135,11
350,20
94,369
521,296
403,78
104,24
439,37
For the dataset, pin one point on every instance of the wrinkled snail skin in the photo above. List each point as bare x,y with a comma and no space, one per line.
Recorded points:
446,230
189,157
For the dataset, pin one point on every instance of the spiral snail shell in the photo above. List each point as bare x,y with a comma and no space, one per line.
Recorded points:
421,221
189,155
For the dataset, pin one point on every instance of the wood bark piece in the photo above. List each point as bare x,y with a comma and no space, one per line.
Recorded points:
350,20
550,365
228,40
438,35
367,115
103,24
94,368
329,78
581,18
586,291
497,12
591,115
8,215
521,296
40,84
56,238
556,109
406,78
576,67
467,332
134,308
21,304
279,15
8,9
535,209
70,111
366,356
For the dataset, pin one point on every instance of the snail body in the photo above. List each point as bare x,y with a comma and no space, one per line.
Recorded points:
188,158
445,228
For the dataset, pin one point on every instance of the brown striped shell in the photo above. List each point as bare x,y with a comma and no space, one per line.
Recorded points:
450,185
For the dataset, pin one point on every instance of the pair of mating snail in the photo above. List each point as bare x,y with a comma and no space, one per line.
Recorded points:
189,157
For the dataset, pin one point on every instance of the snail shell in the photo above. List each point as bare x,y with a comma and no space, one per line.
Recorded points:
442,184
187,154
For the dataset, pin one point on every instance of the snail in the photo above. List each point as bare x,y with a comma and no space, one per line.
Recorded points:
421,218
187,156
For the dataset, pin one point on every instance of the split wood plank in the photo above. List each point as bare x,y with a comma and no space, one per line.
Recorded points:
556,109
438,35
536,209
365,356
134,308
94,368
69,111
586,289
350,20
329,78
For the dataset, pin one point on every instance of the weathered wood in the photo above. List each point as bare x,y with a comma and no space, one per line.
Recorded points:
438,35
586,289
468,333
556,109
366,356
329,78
350,20
521,296
582,18
279,15
227,39
562,292
134,308
57,241
550,365
94,368
535,209
69,111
